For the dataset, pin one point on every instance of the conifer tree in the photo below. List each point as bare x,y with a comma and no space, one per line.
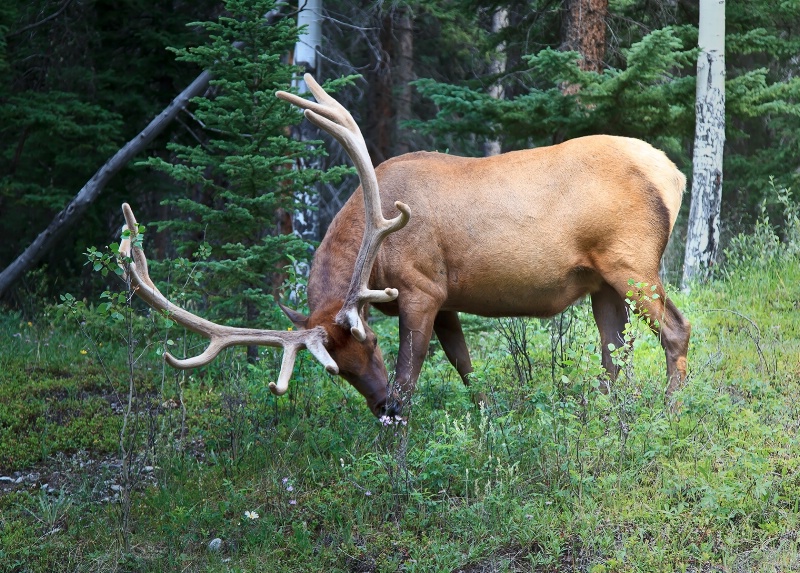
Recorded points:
237,181
79,80
648,98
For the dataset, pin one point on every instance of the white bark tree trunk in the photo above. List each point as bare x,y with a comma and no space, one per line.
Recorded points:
305,50
305,222
702,240
497,65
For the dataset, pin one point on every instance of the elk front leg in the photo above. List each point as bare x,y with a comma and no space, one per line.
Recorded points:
416,327
447,327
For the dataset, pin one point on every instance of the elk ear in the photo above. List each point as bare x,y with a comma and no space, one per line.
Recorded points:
298,319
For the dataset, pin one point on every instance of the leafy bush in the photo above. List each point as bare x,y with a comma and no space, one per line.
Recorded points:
766,245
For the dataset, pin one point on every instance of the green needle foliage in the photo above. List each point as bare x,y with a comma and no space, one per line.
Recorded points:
650,97
79,80
239,175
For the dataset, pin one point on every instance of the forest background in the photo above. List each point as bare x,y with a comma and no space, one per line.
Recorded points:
111,462
83,78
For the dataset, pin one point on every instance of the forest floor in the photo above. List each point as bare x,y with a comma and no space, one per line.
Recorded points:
111,462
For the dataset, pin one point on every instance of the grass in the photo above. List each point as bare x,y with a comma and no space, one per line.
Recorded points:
550,476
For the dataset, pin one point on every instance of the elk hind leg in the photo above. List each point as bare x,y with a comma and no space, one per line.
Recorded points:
667,322
675,340
611,315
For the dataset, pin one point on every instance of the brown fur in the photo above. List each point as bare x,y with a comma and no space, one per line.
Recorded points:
525,233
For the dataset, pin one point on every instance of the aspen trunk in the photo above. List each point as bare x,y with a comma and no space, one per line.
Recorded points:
702,240
305,221
497,66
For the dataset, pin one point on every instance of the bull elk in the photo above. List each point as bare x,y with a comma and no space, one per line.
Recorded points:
526,233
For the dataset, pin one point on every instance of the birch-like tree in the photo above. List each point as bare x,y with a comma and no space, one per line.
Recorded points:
497,66
702,240
305,220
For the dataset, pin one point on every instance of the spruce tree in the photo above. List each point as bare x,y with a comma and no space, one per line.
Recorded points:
649,98
237,179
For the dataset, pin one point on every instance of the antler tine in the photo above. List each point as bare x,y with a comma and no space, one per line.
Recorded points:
220,336
328,114
332,117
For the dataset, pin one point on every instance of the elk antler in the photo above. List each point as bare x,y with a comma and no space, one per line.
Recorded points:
221,336
332,117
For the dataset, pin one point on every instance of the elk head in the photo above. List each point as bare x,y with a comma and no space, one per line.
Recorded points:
352,343
337,337
359,361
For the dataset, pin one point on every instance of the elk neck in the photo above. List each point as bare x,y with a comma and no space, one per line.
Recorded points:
332,267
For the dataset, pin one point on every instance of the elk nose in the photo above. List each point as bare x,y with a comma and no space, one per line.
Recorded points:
393,408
